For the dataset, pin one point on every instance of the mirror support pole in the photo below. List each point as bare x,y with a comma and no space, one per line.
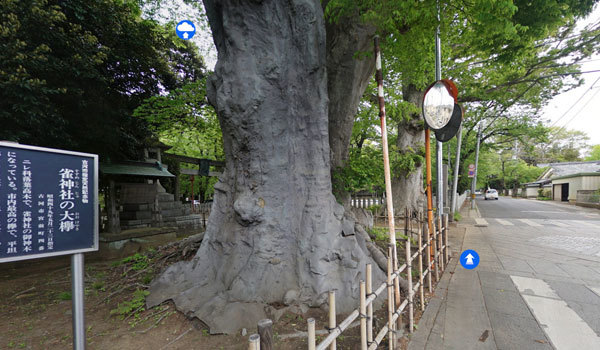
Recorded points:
439,150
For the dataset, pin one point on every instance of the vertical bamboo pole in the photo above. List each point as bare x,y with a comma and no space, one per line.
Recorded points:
370,306
332,324
390,300
363,316
254,342
429,189
420,243
409,274
312,336
435,255
440,244
386,164
446,255
429,269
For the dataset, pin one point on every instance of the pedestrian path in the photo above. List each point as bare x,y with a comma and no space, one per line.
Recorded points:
536,287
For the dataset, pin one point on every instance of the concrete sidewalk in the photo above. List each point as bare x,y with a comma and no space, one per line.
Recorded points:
480,308
456,316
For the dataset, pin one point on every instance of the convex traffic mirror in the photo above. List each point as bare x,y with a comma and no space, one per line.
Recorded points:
438,103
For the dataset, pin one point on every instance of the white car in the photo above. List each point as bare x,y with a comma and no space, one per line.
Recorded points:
491,194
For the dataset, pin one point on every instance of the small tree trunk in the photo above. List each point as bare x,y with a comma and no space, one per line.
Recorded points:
276,233
407,185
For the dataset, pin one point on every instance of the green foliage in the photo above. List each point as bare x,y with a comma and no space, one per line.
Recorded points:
379,234
64,296
72,72
137,261
133,306
185,121
594,153
404,162
457,216
364,171
558,145
375,208
544,194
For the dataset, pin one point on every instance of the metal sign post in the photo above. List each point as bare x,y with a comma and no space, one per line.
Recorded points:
473,184
49,207
77,294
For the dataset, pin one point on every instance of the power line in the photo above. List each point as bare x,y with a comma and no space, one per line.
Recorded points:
581,109
574,104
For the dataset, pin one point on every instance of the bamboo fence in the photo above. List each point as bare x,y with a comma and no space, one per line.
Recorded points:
429,267
434,265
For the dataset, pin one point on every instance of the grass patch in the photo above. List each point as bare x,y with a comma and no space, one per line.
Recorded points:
64,296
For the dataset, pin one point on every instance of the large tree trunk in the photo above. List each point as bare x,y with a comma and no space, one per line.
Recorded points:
407,185
276,234
348,77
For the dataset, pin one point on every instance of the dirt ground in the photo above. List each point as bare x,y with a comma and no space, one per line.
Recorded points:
36,312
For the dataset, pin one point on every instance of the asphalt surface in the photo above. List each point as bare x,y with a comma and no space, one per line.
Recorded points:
537,285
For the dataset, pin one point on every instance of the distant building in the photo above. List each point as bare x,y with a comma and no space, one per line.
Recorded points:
565,179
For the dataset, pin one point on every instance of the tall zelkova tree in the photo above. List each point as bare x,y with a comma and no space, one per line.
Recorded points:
276,233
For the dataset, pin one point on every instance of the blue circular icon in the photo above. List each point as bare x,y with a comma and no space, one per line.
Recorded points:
469,259
185,29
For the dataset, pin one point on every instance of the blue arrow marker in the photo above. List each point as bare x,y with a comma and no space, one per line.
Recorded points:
469,259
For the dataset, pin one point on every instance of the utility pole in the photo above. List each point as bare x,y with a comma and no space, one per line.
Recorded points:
455,179
473,184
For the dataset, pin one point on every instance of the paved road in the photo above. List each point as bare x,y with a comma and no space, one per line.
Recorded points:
537,285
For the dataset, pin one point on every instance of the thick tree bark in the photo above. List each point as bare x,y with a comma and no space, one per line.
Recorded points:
407,186
276,235
348,77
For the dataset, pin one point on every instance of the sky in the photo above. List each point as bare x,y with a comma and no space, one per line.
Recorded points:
584,115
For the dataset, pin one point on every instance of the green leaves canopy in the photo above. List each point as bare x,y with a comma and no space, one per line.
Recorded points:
71,73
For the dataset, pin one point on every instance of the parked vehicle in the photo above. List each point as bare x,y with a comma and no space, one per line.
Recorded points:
491,194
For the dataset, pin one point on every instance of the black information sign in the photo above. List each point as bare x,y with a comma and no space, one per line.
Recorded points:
48,202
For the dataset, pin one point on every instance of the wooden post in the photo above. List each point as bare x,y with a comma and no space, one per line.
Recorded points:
192,182
363,316
370,307
254,342
440,244
435,255
265,331
312,338
446,254
429,269
429,189
332,324
420,243
409,272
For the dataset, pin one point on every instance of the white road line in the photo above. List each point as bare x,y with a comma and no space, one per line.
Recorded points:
565,329
595,290
481,222
589,224
504,222
531,223
558,223
534,286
